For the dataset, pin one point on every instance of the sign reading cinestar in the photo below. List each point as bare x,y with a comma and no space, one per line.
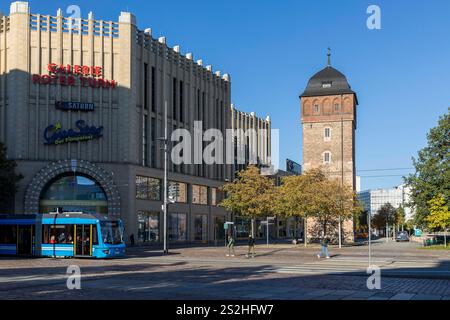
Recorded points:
71,75
54,134
78,106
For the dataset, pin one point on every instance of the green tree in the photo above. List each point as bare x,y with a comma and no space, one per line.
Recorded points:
250,195
439,218
314,196
385,216
8,178
432,170
400,216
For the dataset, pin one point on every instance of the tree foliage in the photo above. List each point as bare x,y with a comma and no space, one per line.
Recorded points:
8,178
439,218
251,194
385,215
432,171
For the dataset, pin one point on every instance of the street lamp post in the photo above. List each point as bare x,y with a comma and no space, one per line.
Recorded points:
164,206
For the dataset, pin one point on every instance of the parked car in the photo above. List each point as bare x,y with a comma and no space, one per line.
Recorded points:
402,236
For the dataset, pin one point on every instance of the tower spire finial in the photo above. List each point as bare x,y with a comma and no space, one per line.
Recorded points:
329,56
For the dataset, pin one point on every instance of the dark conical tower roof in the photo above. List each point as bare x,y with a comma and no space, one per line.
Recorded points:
327,81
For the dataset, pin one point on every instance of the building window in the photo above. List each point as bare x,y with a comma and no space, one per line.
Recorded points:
316,108
200,228
199,194
216,196
181,101
148,188
153,137
145,86
153,89
327,157
337,107
73,193
327,84
177,227
181,198
174,99
243,227
144,140
148,226
327,134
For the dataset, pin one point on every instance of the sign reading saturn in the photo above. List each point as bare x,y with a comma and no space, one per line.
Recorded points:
54,134
71,75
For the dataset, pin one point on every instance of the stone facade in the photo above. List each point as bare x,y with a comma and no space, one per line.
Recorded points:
328,127
142,74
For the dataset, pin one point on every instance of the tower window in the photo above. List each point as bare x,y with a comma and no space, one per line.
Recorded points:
327,134
327,157
327,84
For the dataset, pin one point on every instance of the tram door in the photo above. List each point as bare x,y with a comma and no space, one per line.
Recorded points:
25,240
83,240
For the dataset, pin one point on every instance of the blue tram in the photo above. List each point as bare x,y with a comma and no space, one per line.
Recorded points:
69,234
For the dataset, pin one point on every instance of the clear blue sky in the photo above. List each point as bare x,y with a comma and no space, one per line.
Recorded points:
271,48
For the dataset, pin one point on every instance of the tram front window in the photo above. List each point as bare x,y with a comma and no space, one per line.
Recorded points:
112,232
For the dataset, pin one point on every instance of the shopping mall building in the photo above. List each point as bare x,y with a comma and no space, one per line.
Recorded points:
82,110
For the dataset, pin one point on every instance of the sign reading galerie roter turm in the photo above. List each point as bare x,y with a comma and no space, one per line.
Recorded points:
54,134
71,75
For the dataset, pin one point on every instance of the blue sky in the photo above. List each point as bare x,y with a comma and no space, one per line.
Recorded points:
271,49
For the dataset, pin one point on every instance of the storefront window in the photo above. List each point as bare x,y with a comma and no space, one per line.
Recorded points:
216,196
282,228
177,227
200,227
199,194
243,227
182,191
148,226
148,188
74,193
219,231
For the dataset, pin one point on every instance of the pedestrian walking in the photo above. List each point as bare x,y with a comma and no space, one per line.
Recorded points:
230,246
251,246
324,252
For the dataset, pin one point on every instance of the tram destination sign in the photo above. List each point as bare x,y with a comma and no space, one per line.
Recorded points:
74,106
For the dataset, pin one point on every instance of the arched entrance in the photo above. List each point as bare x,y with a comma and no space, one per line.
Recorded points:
73,192
50,184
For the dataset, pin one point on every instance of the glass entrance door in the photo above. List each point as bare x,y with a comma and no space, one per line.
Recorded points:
25,240
83,240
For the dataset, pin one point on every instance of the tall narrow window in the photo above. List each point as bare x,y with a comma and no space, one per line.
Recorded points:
181,101
327,134
146,86
144,141
174,99
153,137
326,157
153,89
198,105
204,109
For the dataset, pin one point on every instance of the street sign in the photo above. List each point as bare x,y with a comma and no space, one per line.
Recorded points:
225,226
